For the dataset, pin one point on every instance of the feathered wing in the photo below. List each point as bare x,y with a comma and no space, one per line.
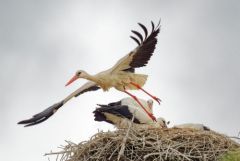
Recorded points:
121,111
45,114
140,56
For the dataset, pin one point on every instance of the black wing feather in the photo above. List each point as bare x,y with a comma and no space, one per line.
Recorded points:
118,110
42,116
136,40
153,27
118,103
146,48
131,70
144,29
47,113
138,34
93,88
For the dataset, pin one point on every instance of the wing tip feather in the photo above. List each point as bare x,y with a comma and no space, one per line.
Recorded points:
155,31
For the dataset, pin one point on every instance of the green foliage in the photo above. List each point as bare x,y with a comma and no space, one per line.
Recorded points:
233,155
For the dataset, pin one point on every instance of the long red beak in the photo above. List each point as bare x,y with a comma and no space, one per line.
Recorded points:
72,80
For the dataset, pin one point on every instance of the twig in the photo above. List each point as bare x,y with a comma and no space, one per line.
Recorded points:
113,153
121,152
56,153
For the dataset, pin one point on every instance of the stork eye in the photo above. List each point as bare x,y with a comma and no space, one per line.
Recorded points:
78,73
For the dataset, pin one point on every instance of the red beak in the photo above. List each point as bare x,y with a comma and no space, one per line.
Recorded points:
72,80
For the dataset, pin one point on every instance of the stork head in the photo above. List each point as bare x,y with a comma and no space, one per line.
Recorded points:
162,122
150,103
78,74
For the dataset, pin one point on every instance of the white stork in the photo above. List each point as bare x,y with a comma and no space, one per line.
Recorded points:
120,114
121,76
192,126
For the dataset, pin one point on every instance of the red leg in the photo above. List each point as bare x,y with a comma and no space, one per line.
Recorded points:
135,98
154,97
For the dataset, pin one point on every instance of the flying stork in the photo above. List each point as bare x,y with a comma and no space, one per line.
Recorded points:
120,114
121,76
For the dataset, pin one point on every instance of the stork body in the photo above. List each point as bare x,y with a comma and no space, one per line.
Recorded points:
120,114
195,126
121,76
120,80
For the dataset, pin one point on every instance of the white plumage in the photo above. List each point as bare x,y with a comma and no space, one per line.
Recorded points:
195,126
120,114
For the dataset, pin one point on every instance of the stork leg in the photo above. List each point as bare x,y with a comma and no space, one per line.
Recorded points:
136,99
139,87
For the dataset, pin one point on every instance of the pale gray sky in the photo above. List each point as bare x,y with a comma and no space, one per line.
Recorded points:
194,70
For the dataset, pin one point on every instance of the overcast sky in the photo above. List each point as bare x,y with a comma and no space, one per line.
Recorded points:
194,69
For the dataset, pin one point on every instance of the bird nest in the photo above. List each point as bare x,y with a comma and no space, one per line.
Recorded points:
170,144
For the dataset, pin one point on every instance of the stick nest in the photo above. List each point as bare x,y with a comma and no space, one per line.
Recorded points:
170,144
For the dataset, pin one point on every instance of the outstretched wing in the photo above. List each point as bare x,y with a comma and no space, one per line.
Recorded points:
45,114
140,56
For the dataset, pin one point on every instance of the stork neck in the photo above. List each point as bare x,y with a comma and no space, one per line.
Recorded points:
90,77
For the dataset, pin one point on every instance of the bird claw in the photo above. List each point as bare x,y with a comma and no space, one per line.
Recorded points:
157,99
153,117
